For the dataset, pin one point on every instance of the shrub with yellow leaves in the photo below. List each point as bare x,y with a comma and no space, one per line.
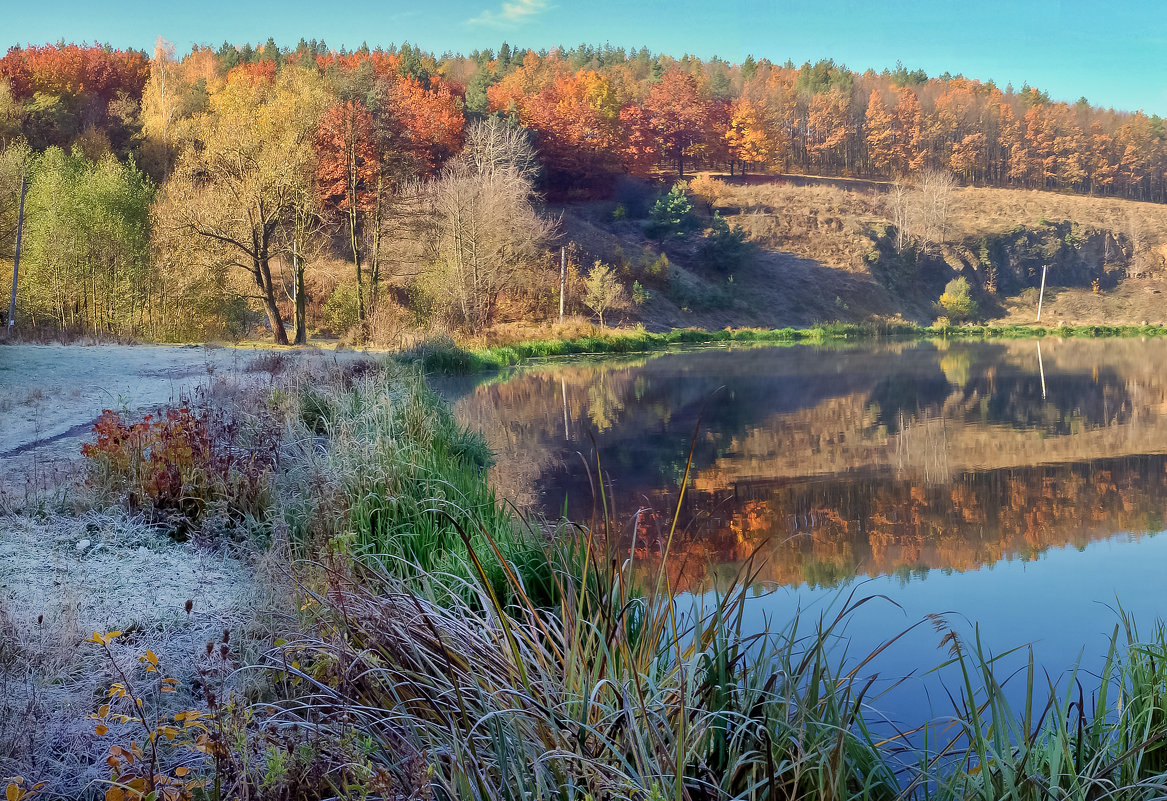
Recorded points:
150,766
18,789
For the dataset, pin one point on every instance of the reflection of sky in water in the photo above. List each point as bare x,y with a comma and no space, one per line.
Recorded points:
1064,603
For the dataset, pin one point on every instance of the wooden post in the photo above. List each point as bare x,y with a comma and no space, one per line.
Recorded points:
562,279
16,256
1041,295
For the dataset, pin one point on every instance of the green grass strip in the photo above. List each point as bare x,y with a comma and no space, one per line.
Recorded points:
443,357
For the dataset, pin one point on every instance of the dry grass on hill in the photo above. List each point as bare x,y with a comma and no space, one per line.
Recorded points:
832,224
827,221
979,210
829,224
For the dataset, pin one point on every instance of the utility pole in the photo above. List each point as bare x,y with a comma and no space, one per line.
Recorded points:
562,279
16,256
1041,295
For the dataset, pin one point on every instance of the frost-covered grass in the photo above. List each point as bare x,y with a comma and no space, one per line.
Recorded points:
67,576
403,634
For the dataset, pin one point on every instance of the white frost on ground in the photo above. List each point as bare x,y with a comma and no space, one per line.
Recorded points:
54,593
51,395
64,577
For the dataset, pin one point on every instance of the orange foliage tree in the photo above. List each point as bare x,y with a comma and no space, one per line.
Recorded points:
680,115
749,137
74,70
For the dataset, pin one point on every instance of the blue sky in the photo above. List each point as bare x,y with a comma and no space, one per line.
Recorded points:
1114,53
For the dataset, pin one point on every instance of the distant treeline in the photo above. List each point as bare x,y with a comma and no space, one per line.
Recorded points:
600,111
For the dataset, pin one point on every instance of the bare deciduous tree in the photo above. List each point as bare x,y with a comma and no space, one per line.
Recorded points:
935,204
496,145
899,209
486,233
920,212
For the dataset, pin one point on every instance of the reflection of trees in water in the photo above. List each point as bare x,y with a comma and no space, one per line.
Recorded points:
884,429
973,382
825,530
604,404
956,366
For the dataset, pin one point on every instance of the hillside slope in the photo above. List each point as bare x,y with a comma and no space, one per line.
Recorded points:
825,250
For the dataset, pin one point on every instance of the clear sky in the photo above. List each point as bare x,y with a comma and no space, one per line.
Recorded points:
1113,52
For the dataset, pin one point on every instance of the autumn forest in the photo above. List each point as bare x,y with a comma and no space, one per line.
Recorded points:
174,196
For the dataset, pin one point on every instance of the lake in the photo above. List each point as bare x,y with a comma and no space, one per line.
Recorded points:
1016,488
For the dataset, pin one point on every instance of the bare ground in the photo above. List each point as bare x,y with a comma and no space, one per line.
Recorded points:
1135,301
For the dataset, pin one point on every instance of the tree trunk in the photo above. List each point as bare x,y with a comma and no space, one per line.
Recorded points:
352,232
263,278
276,321
301,300
375,250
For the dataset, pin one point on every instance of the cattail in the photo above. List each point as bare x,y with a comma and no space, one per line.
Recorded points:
223,650
189,606
210,647
40,619
226,635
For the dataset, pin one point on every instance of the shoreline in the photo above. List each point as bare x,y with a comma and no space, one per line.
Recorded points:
444,357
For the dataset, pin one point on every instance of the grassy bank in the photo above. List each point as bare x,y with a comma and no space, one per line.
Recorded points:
616,696
443,357
380,469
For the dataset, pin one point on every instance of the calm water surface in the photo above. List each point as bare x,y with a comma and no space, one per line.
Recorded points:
1015,488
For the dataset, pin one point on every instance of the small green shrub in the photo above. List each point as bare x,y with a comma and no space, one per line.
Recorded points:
671,215
653,269
341,311
640,295
957,302
725,249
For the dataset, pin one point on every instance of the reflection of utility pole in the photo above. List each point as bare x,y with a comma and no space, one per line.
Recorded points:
563,389
1041,294
1041,367
16,257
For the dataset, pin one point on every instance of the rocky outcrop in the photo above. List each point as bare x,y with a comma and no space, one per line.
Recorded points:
1007,263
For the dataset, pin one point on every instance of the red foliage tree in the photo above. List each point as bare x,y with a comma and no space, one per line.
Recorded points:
680,115
347,172
424,123
638,144
75,70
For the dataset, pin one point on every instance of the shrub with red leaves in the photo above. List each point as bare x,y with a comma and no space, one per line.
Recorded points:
182,462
